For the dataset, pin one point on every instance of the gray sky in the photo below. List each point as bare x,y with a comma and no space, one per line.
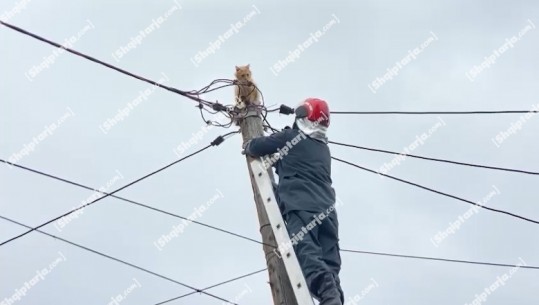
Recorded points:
363,41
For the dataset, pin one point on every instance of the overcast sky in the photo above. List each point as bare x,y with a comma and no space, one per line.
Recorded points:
367,56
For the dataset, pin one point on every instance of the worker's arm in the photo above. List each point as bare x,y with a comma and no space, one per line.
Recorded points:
262,146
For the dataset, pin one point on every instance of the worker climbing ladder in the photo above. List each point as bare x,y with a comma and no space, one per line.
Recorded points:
287,282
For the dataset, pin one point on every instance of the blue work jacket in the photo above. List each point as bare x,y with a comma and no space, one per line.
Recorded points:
303,167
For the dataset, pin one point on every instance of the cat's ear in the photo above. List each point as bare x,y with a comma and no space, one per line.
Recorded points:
248,66
237,68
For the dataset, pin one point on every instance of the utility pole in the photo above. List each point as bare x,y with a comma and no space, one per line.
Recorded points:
286,279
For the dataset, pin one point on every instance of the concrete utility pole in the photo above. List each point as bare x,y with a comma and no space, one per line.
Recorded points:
287,283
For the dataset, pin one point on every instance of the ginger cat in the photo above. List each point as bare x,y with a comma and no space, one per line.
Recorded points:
246,90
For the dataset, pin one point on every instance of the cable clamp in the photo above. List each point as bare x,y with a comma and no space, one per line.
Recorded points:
286,110
218,141
218,107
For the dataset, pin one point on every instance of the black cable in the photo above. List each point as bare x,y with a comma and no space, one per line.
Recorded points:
438,192
208,88
226,110
193,94
267,125
273,110
180,92
436,112
216,88
261,96
228,232
213,286
265,120
214,123
230,133
273,130
186,94
214,143
117,260
437,160
256,272
439,259
238,235
264,111
135,202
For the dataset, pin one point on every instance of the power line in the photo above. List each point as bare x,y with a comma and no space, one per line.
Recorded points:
188,95
117,260
216,142
438,192
213,286
195,290
133,202
214,227
440,259
90,58
236,234
193,94
283,109
437,160
251,239
437,112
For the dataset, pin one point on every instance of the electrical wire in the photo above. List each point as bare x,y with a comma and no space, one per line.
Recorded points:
116,259
90,58
230,109
215,123
195,290
437,112
213,286
230,133
193,94
214,143
273,110
226,231
208,88
135,203
440,259
264,119
437,160
438,192
272,130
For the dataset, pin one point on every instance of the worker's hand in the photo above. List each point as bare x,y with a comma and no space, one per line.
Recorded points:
244,146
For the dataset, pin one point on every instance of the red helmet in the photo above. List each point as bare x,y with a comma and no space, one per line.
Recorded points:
315,110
